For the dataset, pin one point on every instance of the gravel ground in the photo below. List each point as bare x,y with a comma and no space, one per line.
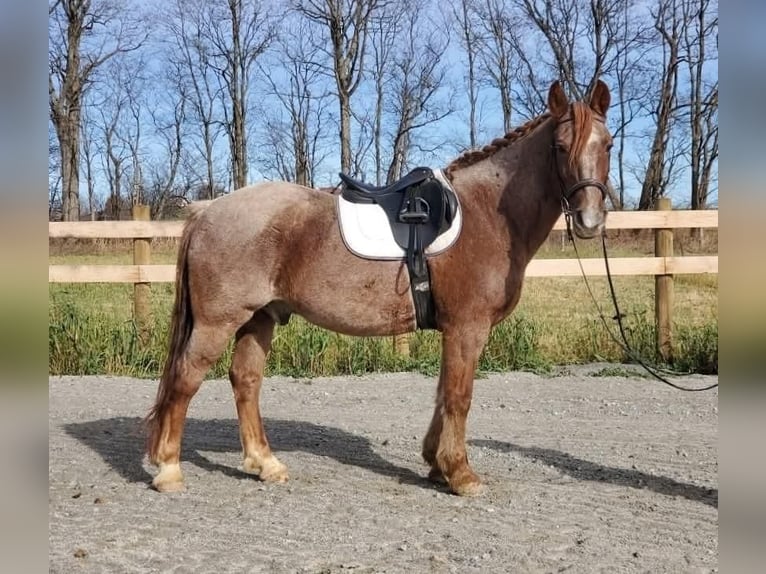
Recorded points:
582,473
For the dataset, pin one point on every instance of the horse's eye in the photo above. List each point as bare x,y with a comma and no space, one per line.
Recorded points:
609,146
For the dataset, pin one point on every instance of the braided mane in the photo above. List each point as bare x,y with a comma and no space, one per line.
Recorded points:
581,117
474,156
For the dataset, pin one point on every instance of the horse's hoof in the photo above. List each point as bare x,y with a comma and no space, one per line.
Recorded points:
468,488
436,476
274,471
466,484
268,470
169,479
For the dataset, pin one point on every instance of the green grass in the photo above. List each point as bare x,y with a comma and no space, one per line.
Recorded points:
91,329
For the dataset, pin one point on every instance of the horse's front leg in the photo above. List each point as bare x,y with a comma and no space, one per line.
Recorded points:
444,444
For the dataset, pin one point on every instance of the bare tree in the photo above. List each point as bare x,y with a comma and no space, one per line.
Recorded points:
630,73
54,177
118,107
384,30
114,161
240,32
277,160
82,35
583,37
464,15
418,76
303,99
668,24
364,142
216,57
347,23
530,81
132,134
701,26
168,117
497,51
191,53
89,152
559,23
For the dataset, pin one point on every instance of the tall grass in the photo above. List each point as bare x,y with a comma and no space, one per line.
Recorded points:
85,342
87,338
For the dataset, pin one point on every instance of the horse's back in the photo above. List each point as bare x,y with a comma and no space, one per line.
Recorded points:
261,202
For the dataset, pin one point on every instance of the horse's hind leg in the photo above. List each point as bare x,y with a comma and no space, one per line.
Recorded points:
444,444
246,375
206,344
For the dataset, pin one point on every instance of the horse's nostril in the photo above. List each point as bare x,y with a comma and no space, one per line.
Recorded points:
589,218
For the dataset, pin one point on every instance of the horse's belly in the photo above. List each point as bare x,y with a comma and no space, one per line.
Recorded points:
324,282
356,297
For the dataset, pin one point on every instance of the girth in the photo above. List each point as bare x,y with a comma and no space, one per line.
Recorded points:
419,209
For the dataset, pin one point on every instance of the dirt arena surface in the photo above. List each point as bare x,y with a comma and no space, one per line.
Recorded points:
582,474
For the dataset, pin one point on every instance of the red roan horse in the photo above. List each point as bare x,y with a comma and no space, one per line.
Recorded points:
249,259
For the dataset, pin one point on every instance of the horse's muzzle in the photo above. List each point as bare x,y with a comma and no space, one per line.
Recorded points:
588,223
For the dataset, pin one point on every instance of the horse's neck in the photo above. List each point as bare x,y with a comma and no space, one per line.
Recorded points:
536,193
524,184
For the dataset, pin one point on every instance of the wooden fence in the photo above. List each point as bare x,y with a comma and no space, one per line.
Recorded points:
663,265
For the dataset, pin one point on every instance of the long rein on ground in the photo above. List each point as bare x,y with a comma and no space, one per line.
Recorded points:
567,193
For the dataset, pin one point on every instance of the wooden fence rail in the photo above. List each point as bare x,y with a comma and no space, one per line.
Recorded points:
536,268
677,219
662,266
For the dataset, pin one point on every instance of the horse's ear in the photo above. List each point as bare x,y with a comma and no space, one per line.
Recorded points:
599,100
558,103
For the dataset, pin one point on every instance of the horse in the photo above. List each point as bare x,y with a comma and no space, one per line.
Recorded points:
250,259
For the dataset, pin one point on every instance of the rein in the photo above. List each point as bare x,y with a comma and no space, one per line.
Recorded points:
624,345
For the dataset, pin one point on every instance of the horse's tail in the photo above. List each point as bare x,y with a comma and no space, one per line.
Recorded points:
181,325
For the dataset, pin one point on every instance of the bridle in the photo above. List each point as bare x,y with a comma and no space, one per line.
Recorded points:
567,193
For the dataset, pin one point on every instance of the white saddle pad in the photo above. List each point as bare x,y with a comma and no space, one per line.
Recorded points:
367,233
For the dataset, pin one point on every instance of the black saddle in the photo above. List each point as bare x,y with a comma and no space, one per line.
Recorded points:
419,209
417,199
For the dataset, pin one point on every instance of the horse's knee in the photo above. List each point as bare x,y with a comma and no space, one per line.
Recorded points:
244,382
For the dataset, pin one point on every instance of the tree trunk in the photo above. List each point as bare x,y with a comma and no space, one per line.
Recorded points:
209,160
238,100
70,173
300,145
345,132
378,128
470,45
656,177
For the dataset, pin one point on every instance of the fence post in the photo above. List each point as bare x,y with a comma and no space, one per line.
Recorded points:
402,344
142,292
663,288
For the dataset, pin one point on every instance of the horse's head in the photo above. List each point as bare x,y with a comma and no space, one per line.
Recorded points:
581,157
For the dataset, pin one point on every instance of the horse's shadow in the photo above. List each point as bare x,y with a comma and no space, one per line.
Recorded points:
585,470
120,441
